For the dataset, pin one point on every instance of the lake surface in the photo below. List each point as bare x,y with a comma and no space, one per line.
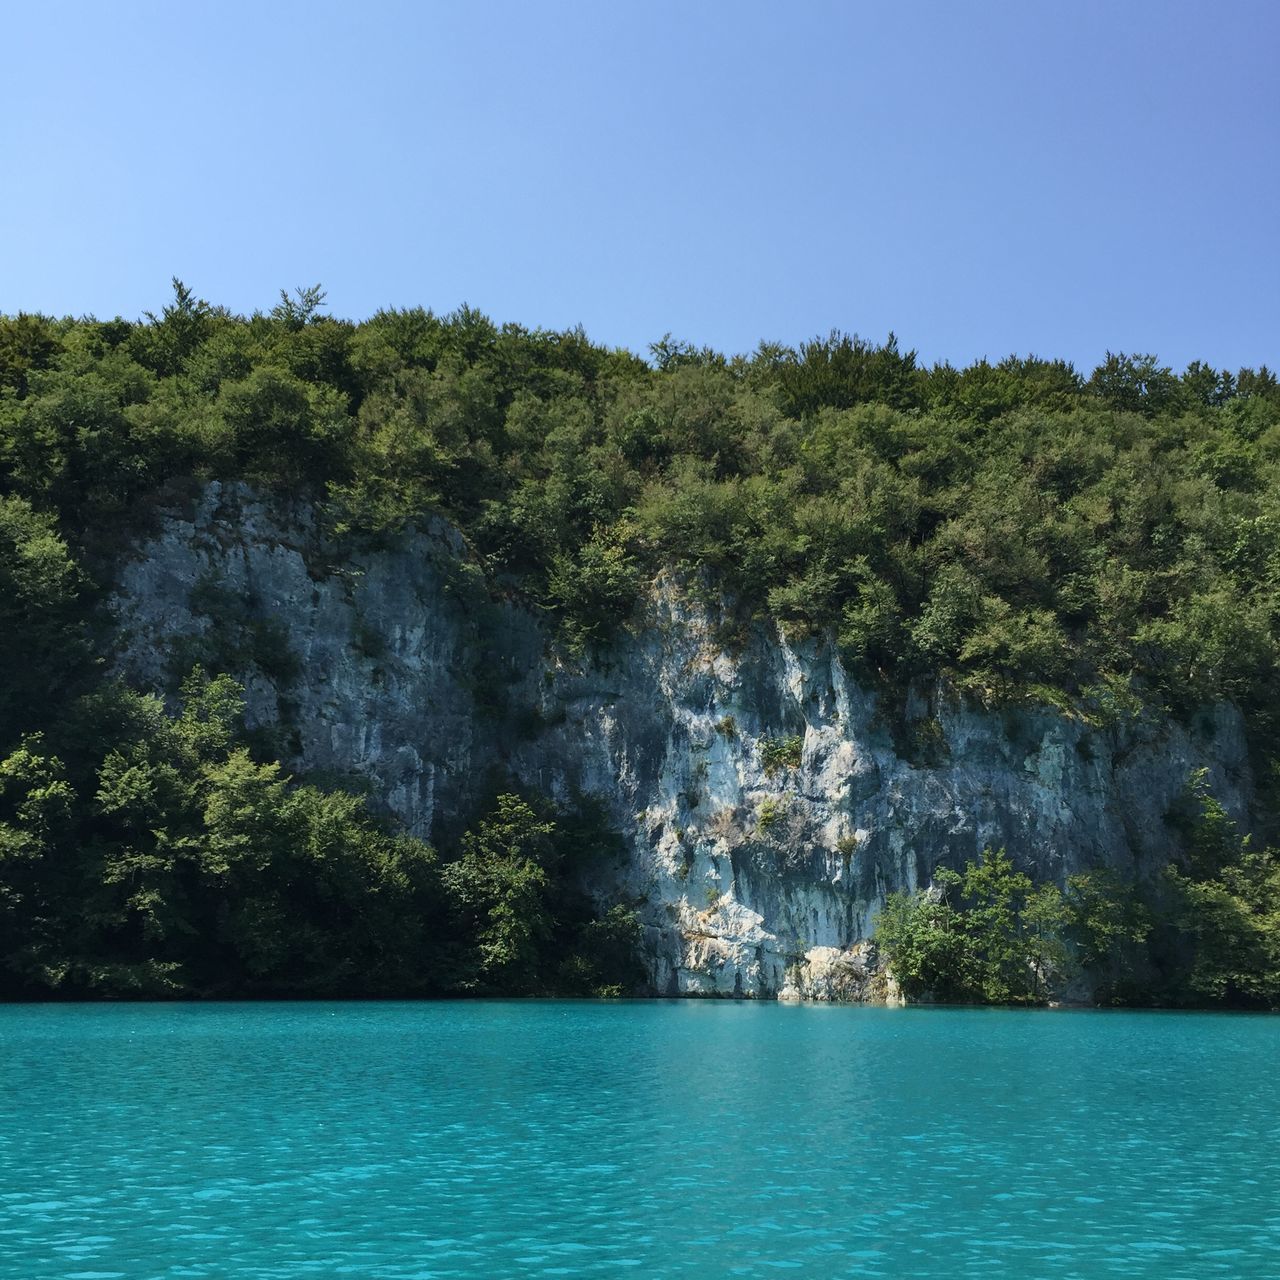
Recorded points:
651,1139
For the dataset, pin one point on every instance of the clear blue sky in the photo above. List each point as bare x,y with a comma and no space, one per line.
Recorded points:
982,178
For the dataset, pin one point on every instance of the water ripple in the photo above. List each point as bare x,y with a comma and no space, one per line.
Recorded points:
664,1139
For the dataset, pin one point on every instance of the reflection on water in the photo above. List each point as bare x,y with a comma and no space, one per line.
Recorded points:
655,1139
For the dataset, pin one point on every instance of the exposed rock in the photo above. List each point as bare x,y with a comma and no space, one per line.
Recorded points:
396,666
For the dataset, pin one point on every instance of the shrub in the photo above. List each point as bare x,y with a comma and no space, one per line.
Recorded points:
781,753
771,813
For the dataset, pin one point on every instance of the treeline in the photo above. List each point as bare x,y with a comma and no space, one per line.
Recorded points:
1015,524
1107,541
152,856
1205,930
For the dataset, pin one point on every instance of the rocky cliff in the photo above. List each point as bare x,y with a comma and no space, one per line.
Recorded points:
768,803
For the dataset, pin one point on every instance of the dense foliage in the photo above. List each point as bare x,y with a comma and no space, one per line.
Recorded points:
986,937
1221,902
1107,541
1016,522
156,857
1206,930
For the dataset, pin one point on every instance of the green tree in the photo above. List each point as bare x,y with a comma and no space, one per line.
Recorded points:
1225,899
1135,383
27,343
284,432
926,948
593,591
1233,921
36,811
1108,924
168,340
297,311
40,618
499,888
604,956
987,936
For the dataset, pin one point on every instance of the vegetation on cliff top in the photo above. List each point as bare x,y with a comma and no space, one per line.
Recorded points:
1013,523
1109,539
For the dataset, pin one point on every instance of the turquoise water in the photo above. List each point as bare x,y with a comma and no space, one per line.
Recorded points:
644,1139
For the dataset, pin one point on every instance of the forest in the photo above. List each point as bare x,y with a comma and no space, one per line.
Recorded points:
1106,542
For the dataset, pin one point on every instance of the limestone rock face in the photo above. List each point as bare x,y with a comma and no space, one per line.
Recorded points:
766,806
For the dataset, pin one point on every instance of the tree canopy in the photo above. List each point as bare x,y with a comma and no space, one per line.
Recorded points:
1106,539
